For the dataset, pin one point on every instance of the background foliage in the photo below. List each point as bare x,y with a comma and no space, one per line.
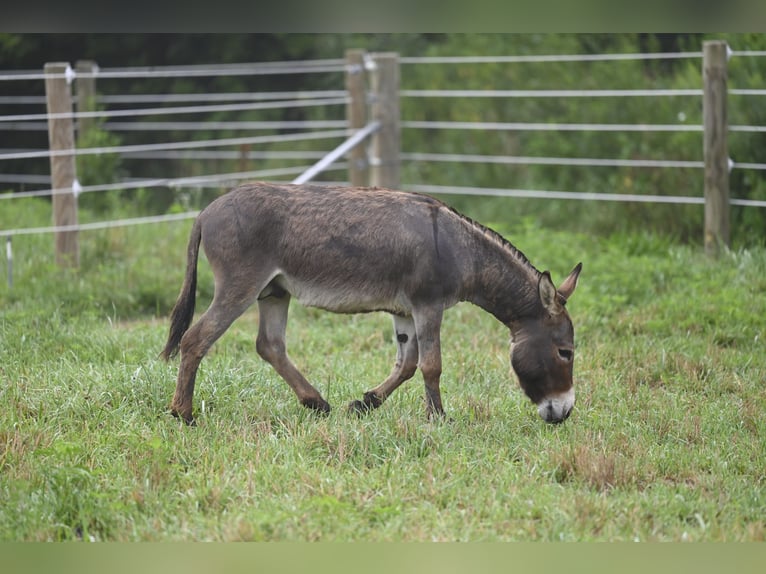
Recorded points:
30,51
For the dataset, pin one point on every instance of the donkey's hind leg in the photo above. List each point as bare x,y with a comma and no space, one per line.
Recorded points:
196,342
270,345
404,369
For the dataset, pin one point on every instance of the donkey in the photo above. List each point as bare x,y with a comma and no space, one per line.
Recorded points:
355,250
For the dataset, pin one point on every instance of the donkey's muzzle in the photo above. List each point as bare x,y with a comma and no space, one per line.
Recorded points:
557,408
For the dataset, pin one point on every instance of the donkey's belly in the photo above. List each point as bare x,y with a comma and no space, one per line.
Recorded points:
346,297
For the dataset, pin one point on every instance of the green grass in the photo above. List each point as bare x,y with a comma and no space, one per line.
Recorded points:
667,440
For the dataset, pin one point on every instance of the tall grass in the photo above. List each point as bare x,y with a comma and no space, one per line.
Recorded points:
667,440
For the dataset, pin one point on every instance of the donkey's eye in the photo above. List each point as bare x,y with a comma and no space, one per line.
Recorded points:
566,354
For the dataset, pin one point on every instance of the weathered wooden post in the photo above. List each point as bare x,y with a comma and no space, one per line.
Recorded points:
58,77
356,116
385,144
716,149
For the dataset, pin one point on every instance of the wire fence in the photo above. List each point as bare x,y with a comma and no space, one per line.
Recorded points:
208,107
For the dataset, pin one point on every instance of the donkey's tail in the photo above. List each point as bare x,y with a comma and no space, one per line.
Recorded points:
183,312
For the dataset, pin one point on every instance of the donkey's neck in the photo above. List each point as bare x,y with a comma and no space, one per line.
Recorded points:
503,282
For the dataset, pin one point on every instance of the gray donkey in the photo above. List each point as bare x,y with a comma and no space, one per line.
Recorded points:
354,250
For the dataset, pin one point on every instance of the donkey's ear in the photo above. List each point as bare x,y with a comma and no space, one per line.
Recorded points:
548,294
568,286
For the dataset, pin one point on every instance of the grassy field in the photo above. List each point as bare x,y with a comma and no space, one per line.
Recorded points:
667,440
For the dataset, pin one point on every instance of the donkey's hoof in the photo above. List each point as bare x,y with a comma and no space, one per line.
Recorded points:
367,404
320,405
439,416
188,419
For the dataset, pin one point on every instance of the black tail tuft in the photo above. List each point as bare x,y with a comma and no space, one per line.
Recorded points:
183,311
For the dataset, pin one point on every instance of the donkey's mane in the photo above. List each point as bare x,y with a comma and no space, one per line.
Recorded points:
496,238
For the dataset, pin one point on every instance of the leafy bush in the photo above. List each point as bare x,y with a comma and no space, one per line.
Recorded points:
595,217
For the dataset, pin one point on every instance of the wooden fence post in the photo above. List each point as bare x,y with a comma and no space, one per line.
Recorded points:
356,116
63,173
716,149
384,147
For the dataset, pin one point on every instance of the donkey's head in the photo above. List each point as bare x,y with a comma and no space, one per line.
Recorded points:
542,350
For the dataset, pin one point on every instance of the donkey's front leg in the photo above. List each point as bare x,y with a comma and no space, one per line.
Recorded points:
428,325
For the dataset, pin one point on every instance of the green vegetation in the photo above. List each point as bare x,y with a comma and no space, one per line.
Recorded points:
603,218
667,440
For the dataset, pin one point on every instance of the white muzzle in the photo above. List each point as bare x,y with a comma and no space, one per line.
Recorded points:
556,408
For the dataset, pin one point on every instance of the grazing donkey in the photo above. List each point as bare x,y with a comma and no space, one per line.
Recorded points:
353,250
